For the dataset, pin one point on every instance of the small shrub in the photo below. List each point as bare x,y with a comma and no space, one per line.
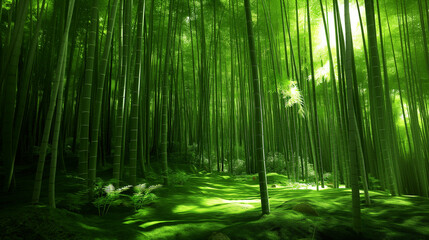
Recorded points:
275,162
179,178
328,177
110,197
193,169
239,166
373,183
311,175
143,195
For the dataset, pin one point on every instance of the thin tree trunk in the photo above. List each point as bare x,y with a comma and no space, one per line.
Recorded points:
96,117
85,108
357,225
257,114
164,125
54,93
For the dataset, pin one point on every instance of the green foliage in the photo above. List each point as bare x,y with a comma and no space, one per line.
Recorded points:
293,97
76,194
275,178
373,183
75,201
179,178
107,196
193,169
239,166
6,5
311,178
275,162
111,197
141,200
143,195
151,176
328,177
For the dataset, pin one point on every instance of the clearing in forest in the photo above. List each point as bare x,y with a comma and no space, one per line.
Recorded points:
209,203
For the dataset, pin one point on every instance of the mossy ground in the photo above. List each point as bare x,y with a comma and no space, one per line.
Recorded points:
209,203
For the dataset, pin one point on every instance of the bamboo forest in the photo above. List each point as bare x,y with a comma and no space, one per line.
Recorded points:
214,119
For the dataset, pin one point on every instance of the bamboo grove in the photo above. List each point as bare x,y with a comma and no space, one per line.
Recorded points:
336,88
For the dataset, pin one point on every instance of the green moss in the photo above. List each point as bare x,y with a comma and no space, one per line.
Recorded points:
230,205
306,209
218,236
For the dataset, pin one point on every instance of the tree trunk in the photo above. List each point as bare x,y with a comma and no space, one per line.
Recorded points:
260,154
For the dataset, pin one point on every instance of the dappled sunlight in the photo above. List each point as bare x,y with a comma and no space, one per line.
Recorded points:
217,204
170,230
185,119
230,206
88,227
242,201
227,203
416,223
185,208
148,224
398,201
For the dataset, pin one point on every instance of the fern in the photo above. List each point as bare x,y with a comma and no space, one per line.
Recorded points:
143,195
111,197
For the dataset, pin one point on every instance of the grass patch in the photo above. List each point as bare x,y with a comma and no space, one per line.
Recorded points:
210,203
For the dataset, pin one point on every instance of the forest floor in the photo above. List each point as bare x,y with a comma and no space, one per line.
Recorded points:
209,203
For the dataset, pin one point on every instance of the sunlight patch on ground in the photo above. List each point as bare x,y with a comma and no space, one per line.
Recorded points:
148,224
88,227
303,186
416,223
310,187
182,230
397,201
379,212
411,196
144,211
131,221
222,205
242,201
325,204
213,186
185,208
244,204
208,188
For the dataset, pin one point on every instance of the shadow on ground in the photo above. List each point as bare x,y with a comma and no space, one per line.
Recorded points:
210,203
